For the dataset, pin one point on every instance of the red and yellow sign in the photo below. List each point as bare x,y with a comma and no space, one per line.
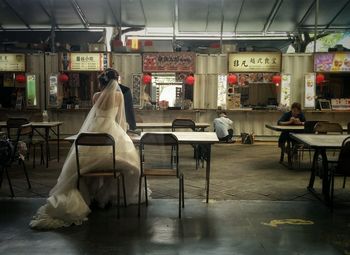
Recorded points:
263,62
332,62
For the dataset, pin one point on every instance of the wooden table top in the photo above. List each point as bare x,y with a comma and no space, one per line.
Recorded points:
320,141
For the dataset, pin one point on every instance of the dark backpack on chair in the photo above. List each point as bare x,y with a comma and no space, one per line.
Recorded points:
6,151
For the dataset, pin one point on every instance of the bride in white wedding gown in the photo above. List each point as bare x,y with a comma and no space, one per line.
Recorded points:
67,205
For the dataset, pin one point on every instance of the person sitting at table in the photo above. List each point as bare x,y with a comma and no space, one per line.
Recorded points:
67,205
223,128
293,117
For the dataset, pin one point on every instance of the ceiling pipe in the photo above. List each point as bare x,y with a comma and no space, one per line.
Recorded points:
80,13
316,23
336,16
222,23
116,21
239,16
272,15
52,15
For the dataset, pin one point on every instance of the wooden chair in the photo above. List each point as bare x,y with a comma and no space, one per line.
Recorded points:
100,139
156,141
188,124
12,125
341,168
24,132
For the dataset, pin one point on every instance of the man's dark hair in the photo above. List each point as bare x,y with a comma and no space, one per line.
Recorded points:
296,105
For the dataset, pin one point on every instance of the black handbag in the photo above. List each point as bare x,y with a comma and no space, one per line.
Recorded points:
247,138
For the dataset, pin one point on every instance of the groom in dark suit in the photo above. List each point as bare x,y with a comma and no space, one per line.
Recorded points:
129,108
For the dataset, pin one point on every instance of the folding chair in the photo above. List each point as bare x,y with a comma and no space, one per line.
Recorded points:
156,141
100,139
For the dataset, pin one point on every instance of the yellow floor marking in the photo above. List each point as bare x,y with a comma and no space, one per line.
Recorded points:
275,223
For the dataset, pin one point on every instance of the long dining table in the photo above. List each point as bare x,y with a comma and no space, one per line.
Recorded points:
207,138
47,127
167,125
320,143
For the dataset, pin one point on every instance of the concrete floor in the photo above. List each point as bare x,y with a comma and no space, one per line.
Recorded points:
257,206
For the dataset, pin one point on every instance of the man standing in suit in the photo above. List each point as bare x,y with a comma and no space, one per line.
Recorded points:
129,108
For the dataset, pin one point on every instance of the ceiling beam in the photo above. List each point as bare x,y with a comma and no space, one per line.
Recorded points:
116,21
307,13
239,16
272,15
207,19
336,15
143,12
17,14
80,13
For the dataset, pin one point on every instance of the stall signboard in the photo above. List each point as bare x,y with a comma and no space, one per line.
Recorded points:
84,61
169,62
310,90
31,90
222,91
12,62
264,62
285,90
332,62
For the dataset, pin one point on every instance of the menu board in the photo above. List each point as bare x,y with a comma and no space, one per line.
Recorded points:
222,91
285,90
84,61
12,62
265,62
169,62
310,89
332,62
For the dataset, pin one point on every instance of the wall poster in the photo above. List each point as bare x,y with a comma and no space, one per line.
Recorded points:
222,91
310,90
31,91
285,90
332,62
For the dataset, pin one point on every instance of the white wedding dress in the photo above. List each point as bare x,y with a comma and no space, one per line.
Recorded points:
67,205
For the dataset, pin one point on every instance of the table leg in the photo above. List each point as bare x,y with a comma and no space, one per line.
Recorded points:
47,130
58,143
313,170
325,177
282,152
207,176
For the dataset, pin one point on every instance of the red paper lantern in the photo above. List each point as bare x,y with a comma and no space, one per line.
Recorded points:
276,79
319,78
63,77
189,80
147,79
20,78
232,79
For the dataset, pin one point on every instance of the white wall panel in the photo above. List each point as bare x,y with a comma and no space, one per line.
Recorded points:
297,65
126,65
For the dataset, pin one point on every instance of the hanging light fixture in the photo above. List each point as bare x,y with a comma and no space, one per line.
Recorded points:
190,79
232,79
276,79
63,77
20,78
147,78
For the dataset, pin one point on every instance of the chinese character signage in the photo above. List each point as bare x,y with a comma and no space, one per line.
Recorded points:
264,62
332,62
84,61
12,62
310,90
169,62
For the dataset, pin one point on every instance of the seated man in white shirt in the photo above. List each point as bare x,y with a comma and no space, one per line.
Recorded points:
223,128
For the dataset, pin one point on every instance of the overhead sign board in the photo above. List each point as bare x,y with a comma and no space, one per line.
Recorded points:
169,62
264,62
84,61
12,62
332,62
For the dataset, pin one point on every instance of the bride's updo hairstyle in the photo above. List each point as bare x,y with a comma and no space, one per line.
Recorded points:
108,75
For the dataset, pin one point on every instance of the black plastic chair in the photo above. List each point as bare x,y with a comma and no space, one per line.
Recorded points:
150,164
100,139
341,168
12,124
24,133
188,124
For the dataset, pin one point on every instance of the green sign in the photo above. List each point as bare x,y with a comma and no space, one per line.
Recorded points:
31,90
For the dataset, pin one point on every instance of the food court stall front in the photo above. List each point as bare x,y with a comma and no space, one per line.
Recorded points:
21,84
70,90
